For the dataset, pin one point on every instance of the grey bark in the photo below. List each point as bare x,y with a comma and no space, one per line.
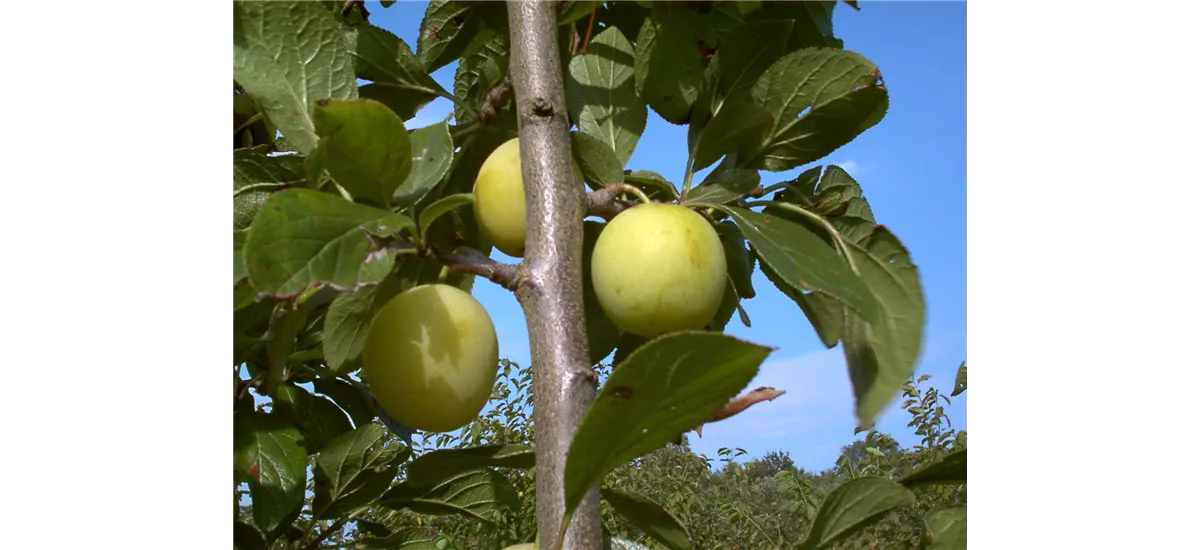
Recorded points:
551,288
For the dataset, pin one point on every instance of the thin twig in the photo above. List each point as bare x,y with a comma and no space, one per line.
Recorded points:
591,25
741,403
471,261
604,202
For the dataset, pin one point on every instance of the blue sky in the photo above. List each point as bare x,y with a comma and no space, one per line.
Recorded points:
912,167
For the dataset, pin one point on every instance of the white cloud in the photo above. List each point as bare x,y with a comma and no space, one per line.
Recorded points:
850,166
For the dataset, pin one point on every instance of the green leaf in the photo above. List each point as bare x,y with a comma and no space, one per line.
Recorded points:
947,528
881,355
738,128
267,452
650,517
852,4
724,184
854,505
255,177
436,466
304,238
819,100
603,336
573,10
452,30
347,397
349,319
837,197
287,55
387,3
737,258
354,470
655,185
319,420
239,266
481,494
246,537
950,469
398,79
732,73
478,74
432,154
286,325
597,161
407,538
626,345
668,386
824,313
804,260
443,206
668,66
602,96
612,543
960,380
364,146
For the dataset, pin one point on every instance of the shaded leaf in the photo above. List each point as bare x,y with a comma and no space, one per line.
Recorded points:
668,66
319,420
255,177
346,397
408,538
603,336
443,206
246,537
657,187
724,184
398,79
650,517
854,505
602,96
668,386
285,326
441,464
452,30
349,319
354,470
364,146
960,380
819,100
432,154
304,238
837,197
947,528
287,55
737,258
823,312
949,469
267,452
478,74
596,160
626,345
399,430
804,260
731,75
481,495
882,355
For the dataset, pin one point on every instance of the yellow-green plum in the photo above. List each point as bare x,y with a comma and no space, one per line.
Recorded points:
431,358
500,198
659,268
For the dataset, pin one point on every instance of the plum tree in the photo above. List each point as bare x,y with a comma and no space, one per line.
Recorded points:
659,268
431,357
500,198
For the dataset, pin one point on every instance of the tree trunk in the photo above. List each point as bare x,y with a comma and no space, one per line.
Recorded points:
551,292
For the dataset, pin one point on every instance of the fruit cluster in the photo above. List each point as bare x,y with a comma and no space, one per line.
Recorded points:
431,354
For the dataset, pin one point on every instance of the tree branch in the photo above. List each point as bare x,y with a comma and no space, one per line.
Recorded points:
552,293
741,403
471,261
604,202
